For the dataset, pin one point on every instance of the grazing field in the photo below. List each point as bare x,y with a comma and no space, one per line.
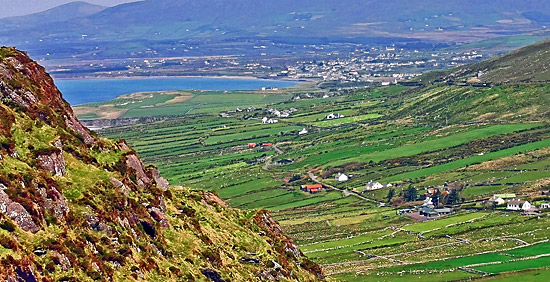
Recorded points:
390,135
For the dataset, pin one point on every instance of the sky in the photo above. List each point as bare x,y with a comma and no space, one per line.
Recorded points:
12,8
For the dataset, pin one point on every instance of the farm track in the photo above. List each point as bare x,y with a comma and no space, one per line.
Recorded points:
345,192
269,160
467,268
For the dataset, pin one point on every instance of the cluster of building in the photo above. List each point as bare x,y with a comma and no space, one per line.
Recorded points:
373,64
372,186
283,113
515,204
426,211
254,145
267,120
334,116
312,188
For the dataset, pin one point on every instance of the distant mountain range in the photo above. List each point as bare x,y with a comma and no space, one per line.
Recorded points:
80,24
63,13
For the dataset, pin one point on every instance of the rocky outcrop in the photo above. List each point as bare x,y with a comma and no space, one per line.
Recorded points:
212,198
158,215
26,83
286,249
55,202
53,162
159,180
137,170
17,213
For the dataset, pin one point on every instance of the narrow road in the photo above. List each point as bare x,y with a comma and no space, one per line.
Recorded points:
278,152
345,192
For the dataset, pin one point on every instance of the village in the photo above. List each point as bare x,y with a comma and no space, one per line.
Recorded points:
432,208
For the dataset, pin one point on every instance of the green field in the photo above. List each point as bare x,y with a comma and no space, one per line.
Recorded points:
385,136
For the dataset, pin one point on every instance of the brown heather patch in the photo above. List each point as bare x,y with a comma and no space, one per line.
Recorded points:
500,163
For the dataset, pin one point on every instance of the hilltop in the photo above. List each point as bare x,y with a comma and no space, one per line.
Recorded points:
76,207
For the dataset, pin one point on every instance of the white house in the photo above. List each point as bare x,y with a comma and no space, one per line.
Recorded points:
501,199
545,206
334,116
373,185
303,132
498,200
342,177
518,205
428,202
266,120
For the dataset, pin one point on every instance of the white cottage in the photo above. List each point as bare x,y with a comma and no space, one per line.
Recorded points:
373,185
342,177
518,205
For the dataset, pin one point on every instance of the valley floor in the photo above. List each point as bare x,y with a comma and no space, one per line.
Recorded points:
457,144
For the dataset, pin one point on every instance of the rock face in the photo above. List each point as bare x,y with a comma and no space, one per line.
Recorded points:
27,84
76,207
54,163
159,180
134,163
17,213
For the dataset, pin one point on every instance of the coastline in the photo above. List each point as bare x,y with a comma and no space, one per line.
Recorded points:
82,91
236,77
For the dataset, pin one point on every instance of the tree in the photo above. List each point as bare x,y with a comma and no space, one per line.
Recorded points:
436,198
410,194
391,193
453,197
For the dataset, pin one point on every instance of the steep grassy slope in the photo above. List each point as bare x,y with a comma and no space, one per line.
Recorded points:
75,207
525,65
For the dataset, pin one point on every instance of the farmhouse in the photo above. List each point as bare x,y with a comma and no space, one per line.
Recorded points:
518,205
501,199
342,177
428,212
266,120
545,206
284,162
428,202
373,185
303,132
312,188
333,116
252,145
443,211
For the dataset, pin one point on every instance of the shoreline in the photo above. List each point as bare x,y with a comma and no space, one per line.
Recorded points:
235,77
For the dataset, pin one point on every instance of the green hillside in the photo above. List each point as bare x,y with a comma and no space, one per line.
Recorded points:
526,65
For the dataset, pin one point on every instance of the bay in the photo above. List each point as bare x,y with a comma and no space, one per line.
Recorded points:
82,91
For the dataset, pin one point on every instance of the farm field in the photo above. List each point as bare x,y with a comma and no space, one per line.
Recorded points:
205,144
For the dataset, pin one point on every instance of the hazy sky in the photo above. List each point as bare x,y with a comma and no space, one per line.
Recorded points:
23,7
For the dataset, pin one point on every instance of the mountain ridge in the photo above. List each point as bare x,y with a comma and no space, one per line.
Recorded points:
147,22
65,12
